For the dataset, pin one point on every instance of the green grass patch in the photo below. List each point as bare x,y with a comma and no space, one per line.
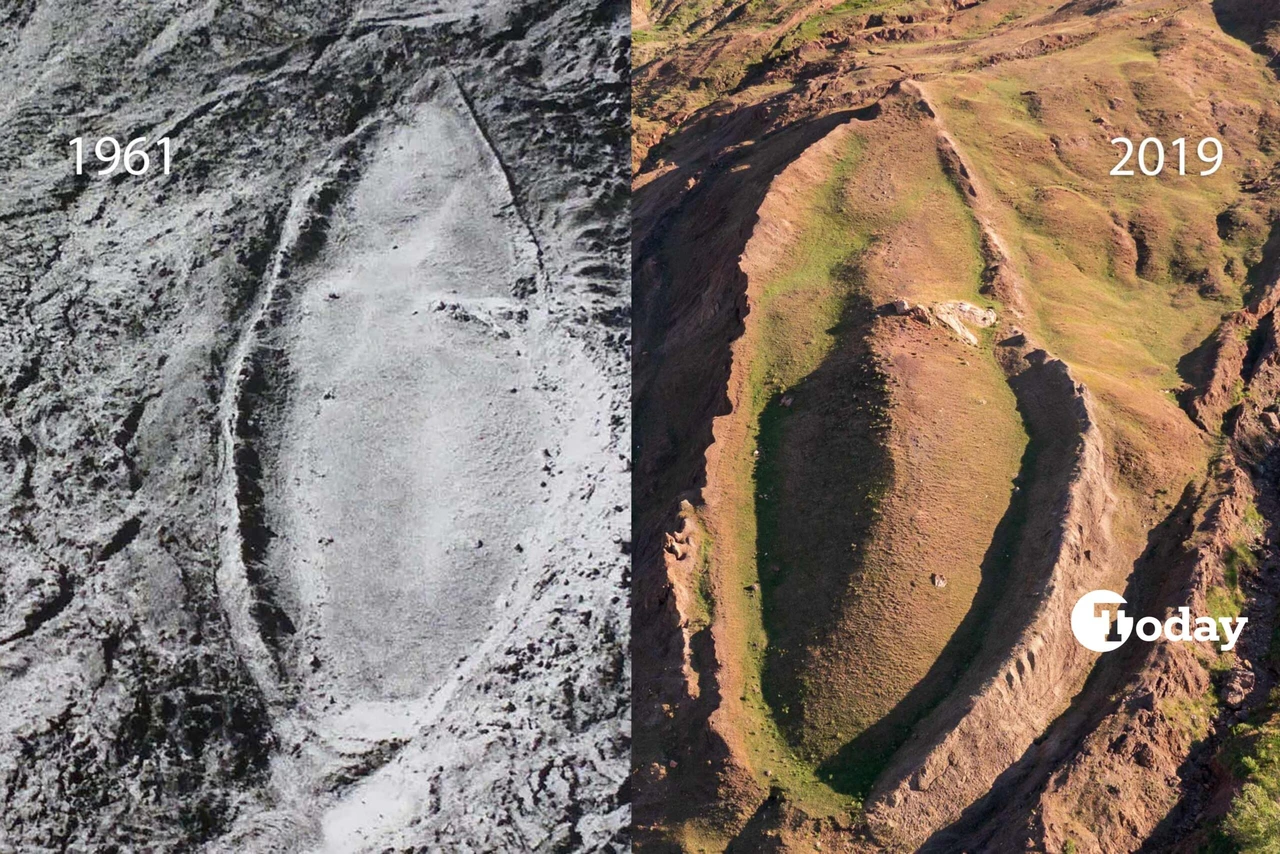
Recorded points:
1223,602
1240,558
812,28
1252,753
798,313
703,592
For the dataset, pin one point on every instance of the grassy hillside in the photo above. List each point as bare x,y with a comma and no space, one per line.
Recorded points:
866,440
865,491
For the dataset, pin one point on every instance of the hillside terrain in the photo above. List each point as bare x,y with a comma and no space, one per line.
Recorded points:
913,372
314,479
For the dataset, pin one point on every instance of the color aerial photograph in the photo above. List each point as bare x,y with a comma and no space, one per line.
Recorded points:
957,425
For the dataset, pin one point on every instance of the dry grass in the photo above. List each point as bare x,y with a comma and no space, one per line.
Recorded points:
1127,275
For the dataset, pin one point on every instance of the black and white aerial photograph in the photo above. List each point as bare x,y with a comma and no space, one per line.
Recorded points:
315,448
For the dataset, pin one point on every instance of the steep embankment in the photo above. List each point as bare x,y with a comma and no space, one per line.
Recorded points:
1115,359
689,284
1030,665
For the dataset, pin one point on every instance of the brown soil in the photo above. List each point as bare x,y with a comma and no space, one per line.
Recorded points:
1133,348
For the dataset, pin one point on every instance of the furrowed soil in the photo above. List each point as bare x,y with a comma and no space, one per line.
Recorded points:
861,526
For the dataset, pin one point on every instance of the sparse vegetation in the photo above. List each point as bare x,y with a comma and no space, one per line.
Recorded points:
825,526
1252,826
894,479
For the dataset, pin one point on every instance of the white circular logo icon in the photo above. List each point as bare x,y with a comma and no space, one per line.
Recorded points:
1091,621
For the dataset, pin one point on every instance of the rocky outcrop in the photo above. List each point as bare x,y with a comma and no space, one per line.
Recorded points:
1230,351
956,315
1150,707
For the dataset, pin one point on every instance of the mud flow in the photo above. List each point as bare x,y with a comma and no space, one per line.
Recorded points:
407,471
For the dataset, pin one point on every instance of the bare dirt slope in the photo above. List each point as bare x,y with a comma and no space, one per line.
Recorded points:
819,470
258,415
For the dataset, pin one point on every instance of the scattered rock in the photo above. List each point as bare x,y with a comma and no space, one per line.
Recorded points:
939,581
1144,755
901,306
956,314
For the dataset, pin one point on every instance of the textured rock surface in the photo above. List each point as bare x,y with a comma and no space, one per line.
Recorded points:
170,678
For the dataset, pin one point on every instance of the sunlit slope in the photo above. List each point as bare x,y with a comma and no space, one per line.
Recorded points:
1126,276
870,460
866,496
855,617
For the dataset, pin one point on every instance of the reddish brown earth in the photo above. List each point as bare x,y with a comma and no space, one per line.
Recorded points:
1136,344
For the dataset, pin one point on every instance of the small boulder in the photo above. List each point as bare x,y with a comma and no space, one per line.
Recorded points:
1144,755
1236,687
968,313
1271,421
901,306
939,581
922,314
958,315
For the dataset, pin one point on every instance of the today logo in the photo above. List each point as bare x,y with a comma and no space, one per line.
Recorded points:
1091,622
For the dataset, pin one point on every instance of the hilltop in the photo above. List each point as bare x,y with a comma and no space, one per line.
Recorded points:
914,370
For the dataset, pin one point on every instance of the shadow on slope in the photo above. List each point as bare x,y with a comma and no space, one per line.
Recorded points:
690,306
822,473
856,766
1254,21
1160,572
